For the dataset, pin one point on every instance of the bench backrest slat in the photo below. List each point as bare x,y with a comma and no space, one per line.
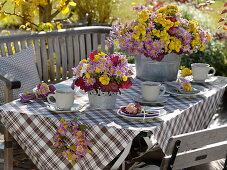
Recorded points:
197,147
56,52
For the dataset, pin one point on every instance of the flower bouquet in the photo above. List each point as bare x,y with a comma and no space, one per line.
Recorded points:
154,35
103,75
41,91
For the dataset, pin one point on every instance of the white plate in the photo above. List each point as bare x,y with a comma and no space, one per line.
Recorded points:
209,80
176,93
162,112
139,99
75,108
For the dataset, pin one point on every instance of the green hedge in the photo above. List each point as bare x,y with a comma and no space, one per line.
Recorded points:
215,54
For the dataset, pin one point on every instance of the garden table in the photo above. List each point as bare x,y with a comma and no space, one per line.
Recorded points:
31,125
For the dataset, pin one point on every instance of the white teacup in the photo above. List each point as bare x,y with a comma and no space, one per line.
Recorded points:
151,91
64,99
200,71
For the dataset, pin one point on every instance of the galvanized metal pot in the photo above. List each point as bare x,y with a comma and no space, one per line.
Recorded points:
159,71
102,100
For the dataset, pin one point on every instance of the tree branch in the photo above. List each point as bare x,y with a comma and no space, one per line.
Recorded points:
8,13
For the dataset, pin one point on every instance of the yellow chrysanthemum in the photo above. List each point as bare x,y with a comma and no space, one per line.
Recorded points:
124,78
186,72
104,80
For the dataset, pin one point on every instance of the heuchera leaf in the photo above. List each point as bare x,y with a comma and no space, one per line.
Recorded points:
225,4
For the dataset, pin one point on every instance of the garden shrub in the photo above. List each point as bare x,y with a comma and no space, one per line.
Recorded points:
215,54
99,11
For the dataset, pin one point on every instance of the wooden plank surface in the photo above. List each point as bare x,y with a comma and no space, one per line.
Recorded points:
198,156
88,44
9,48
95,41
38,58
82,47
69,45
103,38
63,57
44,60
198,139
16,46
3,49
51,59
76,48
58,58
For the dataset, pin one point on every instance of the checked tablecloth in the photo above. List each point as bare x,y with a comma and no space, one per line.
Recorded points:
31,125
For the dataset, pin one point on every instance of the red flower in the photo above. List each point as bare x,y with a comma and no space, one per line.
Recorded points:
115,60
173,19
92,55
111,87
126,84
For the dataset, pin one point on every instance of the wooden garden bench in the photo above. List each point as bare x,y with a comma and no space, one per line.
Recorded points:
194,148
56,52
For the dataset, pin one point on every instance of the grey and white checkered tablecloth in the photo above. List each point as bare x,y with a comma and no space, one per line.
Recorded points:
31,125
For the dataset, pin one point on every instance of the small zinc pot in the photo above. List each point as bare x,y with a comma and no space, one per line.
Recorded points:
159,71
102,100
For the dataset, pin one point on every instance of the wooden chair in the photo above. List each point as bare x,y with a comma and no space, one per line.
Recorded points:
56,52
195,148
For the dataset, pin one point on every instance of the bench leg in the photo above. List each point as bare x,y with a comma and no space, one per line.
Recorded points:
8,150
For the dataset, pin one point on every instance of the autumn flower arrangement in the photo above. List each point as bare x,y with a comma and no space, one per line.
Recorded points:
70,139
158,33
107,72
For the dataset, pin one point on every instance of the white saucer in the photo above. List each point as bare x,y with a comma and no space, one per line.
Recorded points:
209,80
139,99
52,108
172,91
162,113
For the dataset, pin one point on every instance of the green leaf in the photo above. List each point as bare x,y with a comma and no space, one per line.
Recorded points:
82,127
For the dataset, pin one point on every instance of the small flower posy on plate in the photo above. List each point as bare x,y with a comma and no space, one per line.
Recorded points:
41,91
136,110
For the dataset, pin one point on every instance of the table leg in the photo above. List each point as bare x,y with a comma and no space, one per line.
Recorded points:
8,150
121,159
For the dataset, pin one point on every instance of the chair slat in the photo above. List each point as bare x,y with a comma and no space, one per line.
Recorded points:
88,44
23,45
69,45
29,42
9,48
16,45
76,50
82,47
197,156
103,38
3,50
51,59
198,139
44,60
38,58
95,42
58,59
63,57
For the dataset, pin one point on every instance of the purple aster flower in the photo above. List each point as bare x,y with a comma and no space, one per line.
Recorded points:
81,150
139,7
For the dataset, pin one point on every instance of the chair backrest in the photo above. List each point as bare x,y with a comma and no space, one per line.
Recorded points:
196,148
56,52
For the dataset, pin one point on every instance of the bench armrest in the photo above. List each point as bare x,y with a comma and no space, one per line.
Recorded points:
10,80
